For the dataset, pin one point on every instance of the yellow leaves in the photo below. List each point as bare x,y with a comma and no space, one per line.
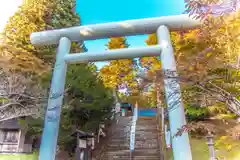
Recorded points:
28,19
33,16
224,142
209,55
192,34
223,138
221,34
190,68
229,147
151,62
152,39
117,43
217,108
118,71
175,37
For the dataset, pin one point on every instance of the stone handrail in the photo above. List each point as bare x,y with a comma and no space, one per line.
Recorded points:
133,129
160,116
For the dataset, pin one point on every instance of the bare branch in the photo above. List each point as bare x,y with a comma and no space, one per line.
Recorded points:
20,96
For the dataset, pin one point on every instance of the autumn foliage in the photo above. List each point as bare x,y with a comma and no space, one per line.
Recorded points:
118,73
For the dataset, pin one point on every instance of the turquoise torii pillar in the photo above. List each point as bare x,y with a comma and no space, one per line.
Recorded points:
64,37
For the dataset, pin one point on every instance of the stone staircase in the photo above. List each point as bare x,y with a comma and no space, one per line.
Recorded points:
117,146
146,139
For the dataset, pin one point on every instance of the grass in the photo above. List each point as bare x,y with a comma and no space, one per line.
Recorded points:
225,147
200,150
33,156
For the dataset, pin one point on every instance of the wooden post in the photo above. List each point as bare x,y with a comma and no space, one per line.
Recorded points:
19,140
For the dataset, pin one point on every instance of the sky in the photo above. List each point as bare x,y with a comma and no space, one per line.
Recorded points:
7,9
96,11
101,11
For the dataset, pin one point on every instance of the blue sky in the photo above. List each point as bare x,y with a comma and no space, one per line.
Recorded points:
101,11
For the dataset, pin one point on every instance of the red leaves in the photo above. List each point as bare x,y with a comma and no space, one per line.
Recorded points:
196,128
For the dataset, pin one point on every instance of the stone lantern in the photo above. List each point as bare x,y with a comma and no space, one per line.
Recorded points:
211,146
84,144
101,131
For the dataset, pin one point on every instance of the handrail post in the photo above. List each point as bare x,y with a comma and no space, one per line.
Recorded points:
133,130
163,138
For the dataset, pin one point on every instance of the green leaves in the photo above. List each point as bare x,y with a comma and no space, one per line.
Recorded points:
195,112
3,100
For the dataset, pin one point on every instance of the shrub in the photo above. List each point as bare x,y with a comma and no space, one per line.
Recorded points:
195,113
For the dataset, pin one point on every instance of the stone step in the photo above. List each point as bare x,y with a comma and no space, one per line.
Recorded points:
112,157
114,149
123,125
146,140
146,134
154,125
146,137
148,146
137,152
122,128
120,135
146,124
123,136
118,152
128,158
116,143
120,132
118,146
144,152
147,119
118,140
146,131
153,133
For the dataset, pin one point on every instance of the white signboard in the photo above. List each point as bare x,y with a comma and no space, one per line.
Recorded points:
82,143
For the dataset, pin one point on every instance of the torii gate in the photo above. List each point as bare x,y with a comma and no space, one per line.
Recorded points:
64,37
